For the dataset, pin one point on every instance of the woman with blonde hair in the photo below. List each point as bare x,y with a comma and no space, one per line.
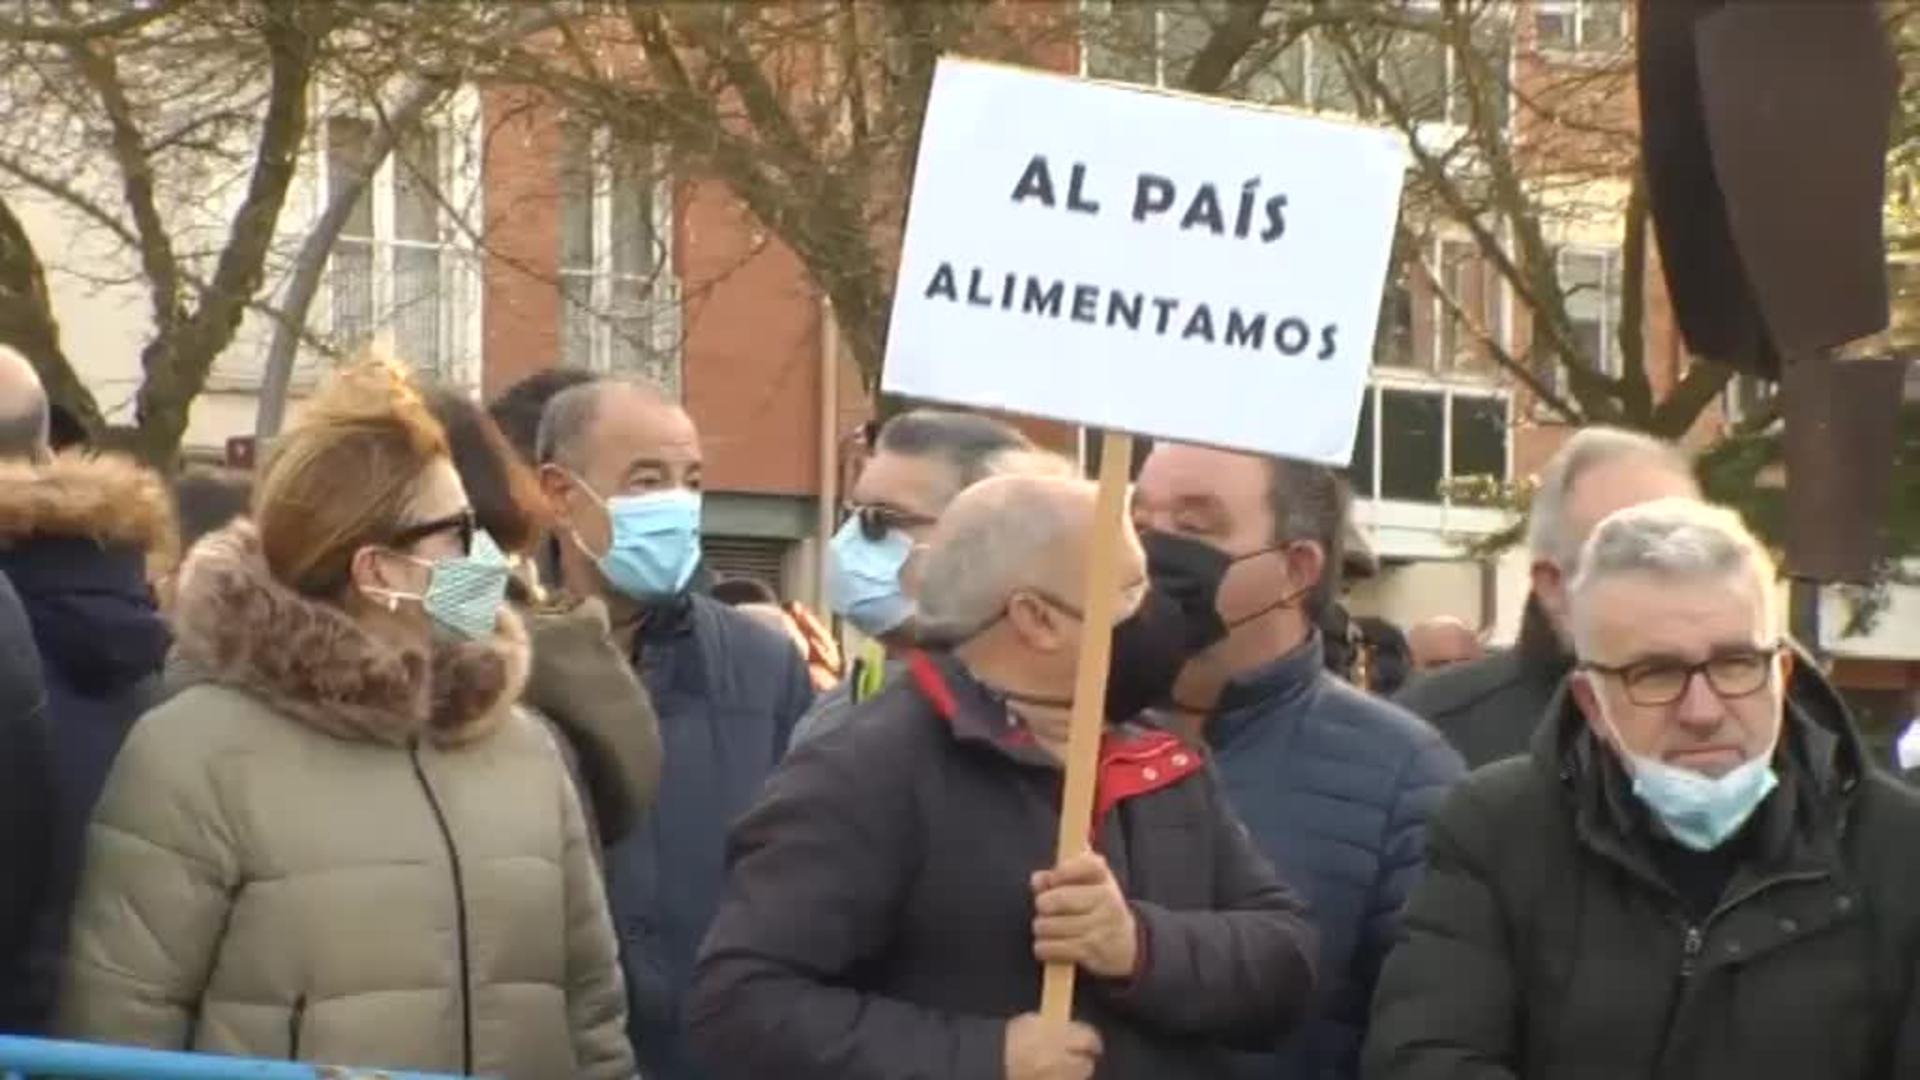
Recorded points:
341,842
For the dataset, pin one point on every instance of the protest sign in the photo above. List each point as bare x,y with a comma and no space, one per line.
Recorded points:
1163,264
1145,262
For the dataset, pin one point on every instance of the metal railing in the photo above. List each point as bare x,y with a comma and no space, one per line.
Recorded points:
23,1059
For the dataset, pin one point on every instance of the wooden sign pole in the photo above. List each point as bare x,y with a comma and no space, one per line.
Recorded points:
1090,687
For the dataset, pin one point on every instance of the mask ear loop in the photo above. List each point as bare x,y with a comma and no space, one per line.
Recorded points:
390,598
573,530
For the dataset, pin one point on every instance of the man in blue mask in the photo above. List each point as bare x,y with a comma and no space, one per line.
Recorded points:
621,466
1697,872
920,461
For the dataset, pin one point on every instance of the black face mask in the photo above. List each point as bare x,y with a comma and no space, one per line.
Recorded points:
1176,619
1150,647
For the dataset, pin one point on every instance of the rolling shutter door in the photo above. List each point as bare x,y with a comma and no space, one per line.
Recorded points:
752,557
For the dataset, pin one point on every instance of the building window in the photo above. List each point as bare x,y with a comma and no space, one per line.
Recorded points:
1590,288
350,270
1422,72
1414,441
1418,327
620,307
390,266
1393,344
1463,276
418,251
1580,26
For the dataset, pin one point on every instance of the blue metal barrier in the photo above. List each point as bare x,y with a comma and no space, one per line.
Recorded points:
21,1059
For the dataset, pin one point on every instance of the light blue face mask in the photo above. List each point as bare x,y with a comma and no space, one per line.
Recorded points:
864,579
655,544
464,593
1699,811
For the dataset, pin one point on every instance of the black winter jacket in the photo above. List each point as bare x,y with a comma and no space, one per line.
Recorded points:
877,923
1547,943
26,790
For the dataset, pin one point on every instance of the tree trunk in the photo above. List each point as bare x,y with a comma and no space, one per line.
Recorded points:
177,363
27,324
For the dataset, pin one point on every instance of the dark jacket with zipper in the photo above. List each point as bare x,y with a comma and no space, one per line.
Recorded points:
878,919
25,792
727,691
1336,787
1488,708
1560,936
78,536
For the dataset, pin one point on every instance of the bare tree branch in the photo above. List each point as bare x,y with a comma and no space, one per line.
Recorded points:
1636,389
177,364
112,26
309,266
27,324
1230,41
1511,364
97,67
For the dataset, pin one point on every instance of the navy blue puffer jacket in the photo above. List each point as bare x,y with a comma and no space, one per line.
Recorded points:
1336,787
76,536
728,691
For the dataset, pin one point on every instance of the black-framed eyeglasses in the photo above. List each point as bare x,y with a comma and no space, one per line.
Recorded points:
1663,682
877,521
464,523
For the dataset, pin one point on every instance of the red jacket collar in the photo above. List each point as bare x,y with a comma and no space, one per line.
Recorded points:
1135,759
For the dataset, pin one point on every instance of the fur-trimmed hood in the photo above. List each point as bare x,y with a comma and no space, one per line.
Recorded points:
109,499
237,626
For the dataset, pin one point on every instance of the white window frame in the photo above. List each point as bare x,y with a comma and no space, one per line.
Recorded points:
458,181
1576,11
1448,391
1431,129
1612,298
662,298
1493,290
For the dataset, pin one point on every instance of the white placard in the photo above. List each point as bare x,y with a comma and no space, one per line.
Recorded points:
1188,268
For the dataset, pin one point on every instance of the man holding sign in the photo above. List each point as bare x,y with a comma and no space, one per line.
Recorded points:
893,893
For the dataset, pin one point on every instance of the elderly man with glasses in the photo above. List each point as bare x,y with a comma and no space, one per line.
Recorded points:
1695,873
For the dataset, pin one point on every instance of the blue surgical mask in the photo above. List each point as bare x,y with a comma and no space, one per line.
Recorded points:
864,579
464,593
1699,811
655,544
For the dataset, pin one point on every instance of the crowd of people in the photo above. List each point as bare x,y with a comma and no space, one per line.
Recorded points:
434,744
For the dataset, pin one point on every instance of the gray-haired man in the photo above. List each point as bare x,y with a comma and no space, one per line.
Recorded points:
1488,708
890,898
1696,872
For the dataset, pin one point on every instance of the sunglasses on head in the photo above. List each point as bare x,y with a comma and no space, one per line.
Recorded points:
463,522
877,521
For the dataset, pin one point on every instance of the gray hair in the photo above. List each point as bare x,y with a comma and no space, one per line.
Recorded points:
967,443
982,559
1588,449
570,415
1674,539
